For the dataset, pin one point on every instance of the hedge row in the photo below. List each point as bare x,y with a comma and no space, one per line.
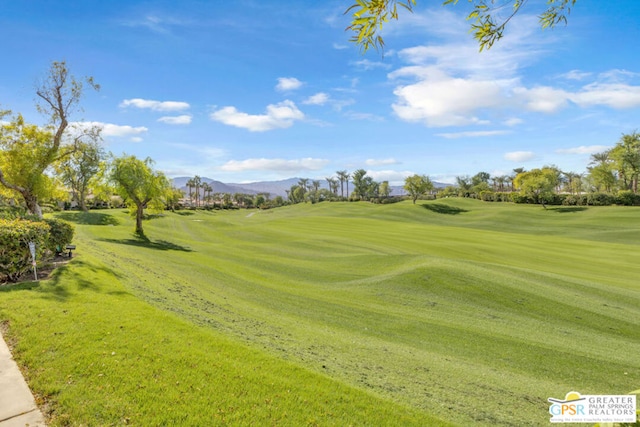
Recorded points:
625,197
49,236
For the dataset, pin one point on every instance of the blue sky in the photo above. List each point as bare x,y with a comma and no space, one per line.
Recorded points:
243,91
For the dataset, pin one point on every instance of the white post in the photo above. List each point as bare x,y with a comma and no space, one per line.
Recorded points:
32,248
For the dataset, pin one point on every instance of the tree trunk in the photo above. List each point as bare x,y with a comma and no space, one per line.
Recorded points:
32,205
30,200
139,215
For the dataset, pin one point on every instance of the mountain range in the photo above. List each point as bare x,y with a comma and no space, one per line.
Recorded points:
274,188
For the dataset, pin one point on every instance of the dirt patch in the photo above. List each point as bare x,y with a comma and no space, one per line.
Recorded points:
44,271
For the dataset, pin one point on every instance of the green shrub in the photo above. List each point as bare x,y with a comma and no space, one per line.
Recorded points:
502,197
487,196
627,198
600,199
571,200
449,191
519,198
392,199
60,234
15,256
15,212
554,199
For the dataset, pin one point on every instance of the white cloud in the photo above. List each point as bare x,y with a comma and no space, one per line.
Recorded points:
381,162
583,149
513,121
575,75
279,165
438,99
322,98
547,99
367,64
184,119
354,115
120,131
208,153
319,98
614,95
459,55
288,83
155,23
617,76
520,156
277,116
542,99
473,134
452,84
115,131
338,46
155,105
394,177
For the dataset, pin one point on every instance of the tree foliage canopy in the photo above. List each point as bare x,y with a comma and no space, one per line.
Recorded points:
26,151
626,158
537,183
487,23
417,185
139,185
78,169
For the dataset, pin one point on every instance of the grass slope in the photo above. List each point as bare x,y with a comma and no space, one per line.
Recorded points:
99,356
468,311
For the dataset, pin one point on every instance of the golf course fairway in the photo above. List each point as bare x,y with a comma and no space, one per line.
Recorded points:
446,312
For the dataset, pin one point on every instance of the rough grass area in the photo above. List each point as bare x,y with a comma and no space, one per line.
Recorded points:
466,311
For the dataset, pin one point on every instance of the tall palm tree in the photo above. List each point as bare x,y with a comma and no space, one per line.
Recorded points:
197,182
600,158
190,184
206,190
343,176
333,185
568,181
304,182
499,181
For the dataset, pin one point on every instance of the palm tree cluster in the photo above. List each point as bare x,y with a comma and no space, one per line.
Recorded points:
337,188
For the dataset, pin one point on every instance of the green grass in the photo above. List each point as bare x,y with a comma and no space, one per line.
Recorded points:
455,309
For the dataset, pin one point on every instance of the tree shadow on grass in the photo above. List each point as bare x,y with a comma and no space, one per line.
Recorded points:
57,287
568,209
441,208
89,218
149,217
184,213
9,287
144,242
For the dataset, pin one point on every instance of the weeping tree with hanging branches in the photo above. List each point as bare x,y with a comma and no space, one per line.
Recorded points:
489,18
140,185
